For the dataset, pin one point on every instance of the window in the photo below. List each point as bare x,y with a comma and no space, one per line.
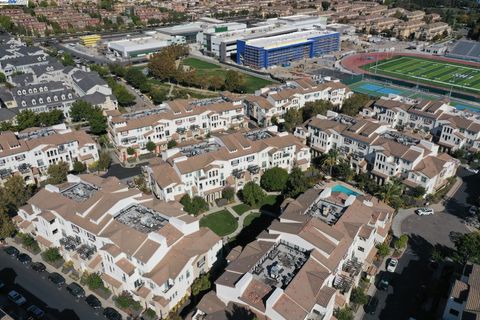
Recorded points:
75,228
454,312
361,249
201,262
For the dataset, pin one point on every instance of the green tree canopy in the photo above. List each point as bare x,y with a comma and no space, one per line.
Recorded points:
391,193
467,247
311,109
274,179
252,194
15,193
234,81
151,146
52,255
293,118
79,167
7,229
200,284
104,160
57,173
297,183
228,193
354,104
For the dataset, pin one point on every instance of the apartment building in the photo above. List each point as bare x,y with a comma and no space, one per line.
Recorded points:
433,30
415,15
463,298
232,160
306,264
137,244
375,147
29,153
408,29
277,100
459,132
178,120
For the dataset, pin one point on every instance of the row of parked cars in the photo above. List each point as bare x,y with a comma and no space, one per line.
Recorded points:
59,281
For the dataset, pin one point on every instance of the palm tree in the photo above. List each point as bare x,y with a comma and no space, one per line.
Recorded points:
330,160
391,192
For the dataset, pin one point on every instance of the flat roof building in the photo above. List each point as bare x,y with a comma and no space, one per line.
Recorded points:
266,52
143,46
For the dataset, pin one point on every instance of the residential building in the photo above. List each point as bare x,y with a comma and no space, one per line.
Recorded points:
178,120
29,153
463,298
232,159
434,30
275,101
459,132
309,260
263,53
136,243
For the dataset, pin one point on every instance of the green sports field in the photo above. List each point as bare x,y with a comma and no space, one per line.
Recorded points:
438,73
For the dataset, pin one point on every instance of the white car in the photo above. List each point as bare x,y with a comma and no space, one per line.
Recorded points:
392,265
16,297
424,211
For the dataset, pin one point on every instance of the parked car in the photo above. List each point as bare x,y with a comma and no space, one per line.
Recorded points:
93,301
384,282
111,314
11,251
2,284
392,265
38,266
56,279
371,306
473,210
472,170
424,211
16,297
75,290
24,258
35,312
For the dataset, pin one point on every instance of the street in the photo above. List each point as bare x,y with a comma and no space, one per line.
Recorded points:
418,286
38,290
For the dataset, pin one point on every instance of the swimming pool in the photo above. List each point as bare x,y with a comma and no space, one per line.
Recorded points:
343,189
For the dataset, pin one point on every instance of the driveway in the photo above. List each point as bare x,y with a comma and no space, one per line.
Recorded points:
122,173
57,303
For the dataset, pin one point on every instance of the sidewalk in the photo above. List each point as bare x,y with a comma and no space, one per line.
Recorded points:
68,280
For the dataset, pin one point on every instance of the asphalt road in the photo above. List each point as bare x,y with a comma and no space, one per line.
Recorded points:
38,290
122,173
414,292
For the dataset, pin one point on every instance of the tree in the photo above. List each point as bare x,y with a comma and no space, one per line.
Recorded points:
234,81
125,301
383,249
79,110
391,193
353,105
124,97
195,205
274,179
50,118
151,146
311,109
26,119
200,284
418,192
325,5
467,247
52,255
252,194
104,160
67,59
344,314
343,171
293,118
3,78
79,167
92,280
7,228
97,121
297,183
135,77
358,296
150,314
171,144
131,151
401,242
228,193
328,160
57,173
15,193
162,65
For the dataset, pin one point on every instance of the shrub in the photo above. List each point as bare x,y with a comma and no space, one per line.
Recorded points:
383,250
52,255
228,193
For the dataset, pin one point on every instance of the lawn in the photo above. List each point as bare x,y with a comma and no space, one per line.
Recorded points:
250,218
241,208
439,73
206,70
221,222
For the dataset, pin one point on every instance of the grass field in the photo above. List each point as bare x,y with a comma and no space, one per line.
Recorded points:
221,222
439,73
206,69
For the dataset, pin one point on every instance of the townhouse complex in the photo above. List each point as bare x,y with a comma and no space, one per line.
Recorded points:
388,147
29,153
226,160
41,84
308,261
137,243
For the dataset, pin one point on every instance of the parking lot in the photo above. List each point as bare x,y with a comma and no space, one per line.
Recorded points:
417,288
57,303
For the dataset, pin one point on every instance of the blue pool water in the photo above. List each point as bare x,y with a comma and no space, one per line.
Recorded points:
342,189
380,89
463,107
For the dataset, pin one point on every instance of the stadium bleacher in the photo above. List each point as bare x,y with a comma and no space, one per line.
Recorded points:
465,50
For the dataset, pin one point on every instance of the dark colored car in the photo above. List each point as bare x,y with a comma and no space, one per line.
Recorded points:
24,258
38,266
111,314
75,290
56,279
93,301
11,251
35,312
384,283
371,306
